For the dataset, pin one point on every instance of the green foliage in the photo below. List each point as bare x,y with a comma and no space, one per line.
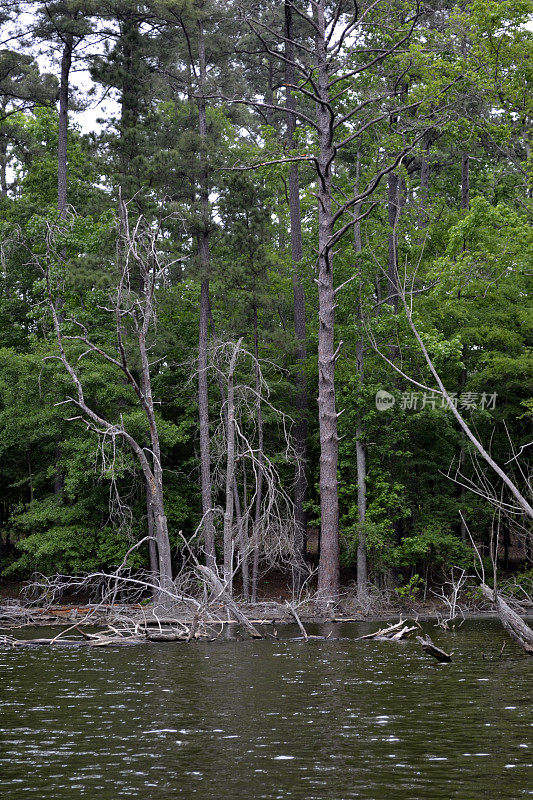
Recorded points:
411,589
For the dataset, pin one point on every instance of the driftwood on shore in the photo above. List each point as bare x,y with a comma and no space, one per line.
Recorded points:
513,624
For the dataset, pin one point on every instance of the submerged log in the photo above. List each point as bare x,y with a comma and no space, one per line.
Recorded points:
513,624
435,651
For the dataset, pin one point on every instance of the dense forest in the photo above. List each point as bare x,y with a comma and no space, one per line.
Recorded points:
271,306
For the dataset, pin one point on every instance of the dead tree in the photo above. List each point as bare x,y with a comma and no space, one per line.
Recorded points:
265,506
230,470
406,297
134,315
513,624
433,650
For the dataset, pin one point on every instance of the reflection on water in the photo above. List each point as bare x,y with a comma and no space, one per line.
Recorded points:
269,719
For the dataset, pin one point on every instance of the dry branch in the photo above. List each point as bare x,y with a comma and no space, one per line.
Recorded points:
393,632
513,624
435,651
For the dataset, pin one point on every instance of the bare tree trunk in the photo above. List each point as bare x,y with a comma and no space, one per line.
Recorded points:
424,185
393,193
230,474
465,181
362,568
66,61
465,203
152,544
156,480
513,624
301,401
328,569
243,536
269,93
62,165
259,485
360,448
203,411
203,396
3,165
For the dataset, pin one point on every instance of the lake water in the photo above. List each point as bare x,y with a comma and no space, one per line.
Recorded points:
322,720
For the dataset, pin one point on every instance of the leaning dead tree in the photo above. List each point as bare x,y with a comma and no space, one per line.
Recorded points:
521,501
141,267
513,624
516,504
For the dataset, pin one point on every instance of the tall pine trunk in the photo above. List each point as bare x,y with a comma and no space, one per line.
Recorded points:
328,568
360,447
301,400
62,135
203,252
62,166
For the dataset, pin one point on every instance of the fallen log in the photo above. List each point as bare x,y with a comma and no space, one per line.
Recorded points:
401,633
435,651
62,642
513,624
162,636
298,620
393,632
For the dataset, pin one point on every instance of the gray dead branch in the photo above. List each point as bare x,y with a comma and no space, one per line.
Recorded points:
513,624
436,652
218,587
392,632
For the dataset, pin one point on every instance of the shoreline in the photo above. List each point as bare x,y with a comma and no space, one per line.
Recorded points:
15,615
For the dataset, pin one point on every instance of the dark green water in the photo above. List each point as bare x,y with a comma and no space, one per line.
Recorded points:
269,719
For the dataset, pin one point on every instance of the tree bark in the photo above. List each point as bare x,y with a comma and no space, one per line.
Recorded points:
328,569
360,447
230,474
62,167
203,411
62,139
156,479
203,252
3,165
152,544
513,624
301,400
465,181
423,213
259,484
393,197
